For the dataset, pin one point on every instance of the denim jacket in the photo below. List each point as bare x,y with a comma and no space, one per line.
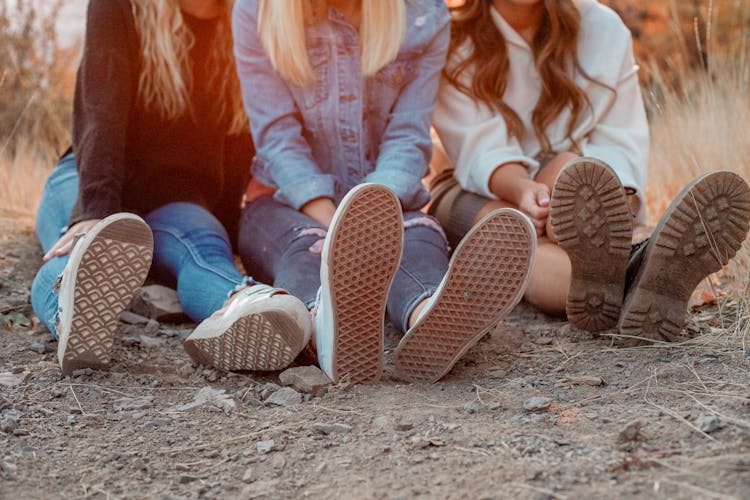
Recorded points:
322,140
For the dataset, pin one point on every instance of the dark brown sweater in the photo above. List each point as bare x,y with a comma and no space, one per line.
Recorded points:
130,158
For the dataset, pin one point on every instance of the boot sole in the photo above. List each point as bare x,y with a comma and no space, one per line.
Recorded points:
266,341
700,232
363,256
592,223
487,277
112,268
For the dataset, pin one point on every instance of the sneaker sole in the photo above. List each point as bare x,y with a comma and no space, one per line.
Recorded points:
111,269
487,277
592,222
700,232
266,341
363,256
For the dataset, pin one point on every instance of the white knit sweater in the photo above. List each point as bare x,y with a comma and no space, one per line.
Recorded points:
615,130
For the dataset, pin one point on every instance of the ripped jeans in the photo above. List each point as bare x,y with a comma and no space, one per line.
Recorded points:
191,250
275,241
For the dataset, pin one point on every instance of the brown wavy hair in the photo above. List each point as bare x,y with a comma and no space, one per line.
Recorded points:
165,81
555,54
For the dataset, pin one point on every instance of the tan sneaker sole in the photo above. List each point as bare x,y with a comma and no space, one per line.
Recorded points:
487,276
700,232
107,272
265,341
363,256
592,222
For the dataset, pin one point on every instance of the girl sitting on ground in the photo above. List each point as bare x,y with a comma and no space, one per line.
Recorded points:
160,158
540,109
340,94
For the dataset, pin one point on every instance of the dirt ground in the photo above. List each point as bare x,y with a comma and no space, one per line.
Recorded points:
536,410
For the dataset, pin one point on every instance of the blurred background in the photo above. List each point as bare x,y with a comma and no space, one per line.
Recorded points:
695,72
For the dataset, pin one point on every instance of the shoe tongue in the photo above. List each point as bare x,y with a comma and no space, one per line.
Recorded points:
637,254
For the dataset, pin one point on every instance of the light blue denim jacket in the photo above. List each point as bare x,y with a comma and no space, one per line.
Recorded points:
322,140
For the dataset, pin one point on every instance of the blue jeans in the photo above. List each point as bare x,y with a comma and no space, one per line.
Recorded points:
275,241
191,249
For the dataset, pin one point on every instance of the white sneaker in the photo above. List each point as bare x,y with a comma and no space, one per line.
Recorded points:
360,257
487,276
105,269
260,328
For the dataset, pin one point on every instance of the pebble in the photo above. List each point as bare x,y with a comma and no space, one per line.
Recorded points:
8,467
404,426
187,478
266,390
130,404
631,432
20,432
38,347
4,404
336,428
747,353
132,318
248,476
307,379
709,423
83,371
537,404
8,425
286,396
265,446
380,421
148,342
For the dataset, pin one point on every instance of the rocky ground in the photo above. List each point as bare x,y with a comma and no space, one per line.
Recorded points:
536,411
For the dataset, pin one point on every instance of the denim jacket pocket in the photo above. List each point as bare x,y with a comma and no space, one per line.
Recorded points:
400,72
317,93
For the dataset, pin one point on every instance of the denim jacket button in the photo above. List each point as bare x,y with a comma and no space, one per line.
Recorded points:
348,98
350,138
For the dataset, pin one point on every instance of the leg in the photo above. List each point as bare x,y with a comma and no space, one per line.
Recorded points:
192,247
423,265
58,197
486,278
550,275
275,246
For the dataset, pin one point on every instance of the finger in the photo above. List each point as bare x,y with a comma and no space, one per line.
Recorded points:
543,197
317,247
53,252
537,212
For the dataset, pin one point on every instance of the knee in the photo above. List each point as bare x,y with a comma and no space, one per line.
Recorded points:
427,226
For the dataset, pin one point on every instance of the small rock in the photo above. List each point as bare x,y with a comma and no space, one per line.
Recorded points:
132,318
248,476
709,423
37,347
8,425
159,303
404,426
266,390
537,404
381,421
21,432
586,380
81,372
265,447
4,404
8,467
12,379
148,342
307,379
286,396
130,404
187,478
137,415
112,417
747,353
631,432
208,396
337,428
70,419
278,463
152,327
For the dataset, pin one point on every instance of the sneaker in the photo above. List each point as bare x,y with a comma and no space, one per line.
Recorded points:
487,276
260,328
701,230
105,268
361,255
591,221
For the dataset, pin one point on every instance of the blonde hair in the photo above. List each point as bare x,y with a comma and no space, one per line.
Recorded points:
165,81
281,27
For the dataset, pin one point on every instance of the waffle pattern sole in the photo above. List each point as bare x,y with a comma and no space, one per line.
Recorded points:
700,232
366,249
111,269
487,277
592,223
264,341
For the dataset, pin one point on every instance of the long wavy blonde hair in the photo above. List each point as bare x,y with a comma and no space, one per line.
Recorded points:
165,81
281,26
555,49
